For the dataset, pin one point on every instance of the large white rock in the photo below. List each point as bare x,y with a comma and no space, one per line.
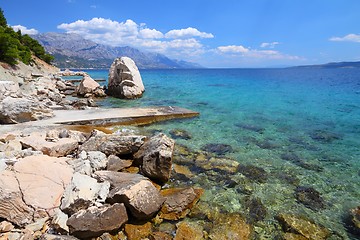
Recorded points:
42,180
15,110
82,192
7,88
125,79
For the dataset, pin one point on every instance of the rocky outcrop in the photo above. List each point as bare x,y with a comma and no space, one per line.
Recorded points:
125,79
302,226
82,192
95,221
113,144
17,110
89,87
137,193
179,202
42,180
155,157
13,208
52,146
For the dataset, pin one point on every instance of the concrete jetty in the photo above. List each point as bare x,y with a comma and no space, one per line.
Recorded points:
104,117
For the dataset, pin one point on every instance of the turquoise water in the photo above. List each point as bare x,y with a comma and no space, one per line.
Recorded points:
301,126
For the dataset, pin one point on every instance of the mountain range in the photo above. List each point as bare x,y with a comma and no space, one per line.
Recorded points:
73,51
333,65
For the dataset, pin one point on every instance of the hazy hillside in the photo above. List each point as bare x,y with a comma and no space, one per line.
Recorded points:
73,51
333,65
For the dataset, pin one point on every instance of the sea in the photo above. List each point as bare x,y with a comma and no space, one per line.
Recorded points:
295,133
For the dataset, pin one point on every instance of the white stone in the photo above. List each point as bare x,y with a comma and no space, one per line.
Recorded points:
125,79
82,192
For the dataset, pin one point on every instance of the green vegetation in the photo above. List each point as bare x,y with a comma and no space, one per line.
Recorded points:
14,46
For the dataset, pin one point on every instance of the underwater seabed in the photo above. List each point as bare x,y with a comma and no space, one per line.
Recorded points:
267,170
268,144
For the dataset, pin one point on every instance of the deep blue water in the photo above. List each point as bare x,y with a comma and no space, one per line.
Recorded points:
300,122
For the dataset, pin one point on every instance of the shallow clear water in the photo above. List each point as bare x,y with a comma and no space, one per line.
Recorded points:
303,123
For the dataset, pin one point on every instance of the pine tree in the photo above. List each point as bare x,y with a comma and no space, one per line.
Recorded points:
3,22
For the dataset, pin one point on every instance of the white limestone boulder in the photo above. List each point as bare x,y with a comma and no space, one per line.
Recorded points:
125,79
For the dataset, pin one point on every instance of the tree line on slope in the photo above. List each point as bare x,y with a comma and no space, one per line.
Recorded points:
14,46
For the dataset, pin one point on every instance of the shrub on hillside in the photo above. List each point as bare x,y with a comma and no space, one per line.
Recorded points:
14,46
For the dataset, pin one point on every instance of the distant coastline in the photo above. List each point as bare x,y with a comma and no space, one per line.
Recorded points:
332,65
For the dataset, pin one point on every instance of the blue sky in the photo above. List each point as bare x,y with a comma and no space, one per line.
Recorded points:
228,33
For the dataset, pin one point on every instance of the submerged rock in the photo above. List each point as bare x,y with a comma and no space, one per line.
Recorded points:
251,127
256,209
125,79
353,221
179,202
180,133
138,231
189,230
217,148
218,164
95,221
309,197
229,227
254,173
302,226
324,136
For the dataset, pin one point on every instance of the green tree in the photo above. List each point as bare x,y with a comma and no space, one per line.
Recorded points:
3,22
8,48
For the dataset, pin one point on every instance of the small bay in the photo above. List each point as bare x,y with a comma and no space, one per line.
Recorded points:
288,129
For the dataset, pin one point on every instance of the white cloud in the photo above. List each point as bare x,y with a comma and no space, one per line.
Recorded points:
269,45
25,30
241,51
187,33
151,33
93,6
106,31
233,49
348,38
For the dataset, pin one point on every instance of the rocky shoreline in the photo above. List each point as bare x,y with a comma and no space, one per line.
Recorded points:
57,183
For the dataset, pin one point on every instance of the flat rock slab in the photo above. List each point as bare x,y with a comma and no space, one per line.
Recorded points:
106,117
42,180
123,116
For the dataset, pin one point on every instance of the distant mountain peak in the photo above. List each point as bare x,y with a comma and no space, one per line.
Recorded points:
73,51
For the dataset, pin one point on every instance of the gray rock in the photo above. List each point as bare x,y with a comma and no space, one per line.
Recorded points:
137,193
125,79
81,166
16,110
37,225
95,221
47,236
7,88
116,164
98,160
59,220
155,157
113,144
82,192
87,85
